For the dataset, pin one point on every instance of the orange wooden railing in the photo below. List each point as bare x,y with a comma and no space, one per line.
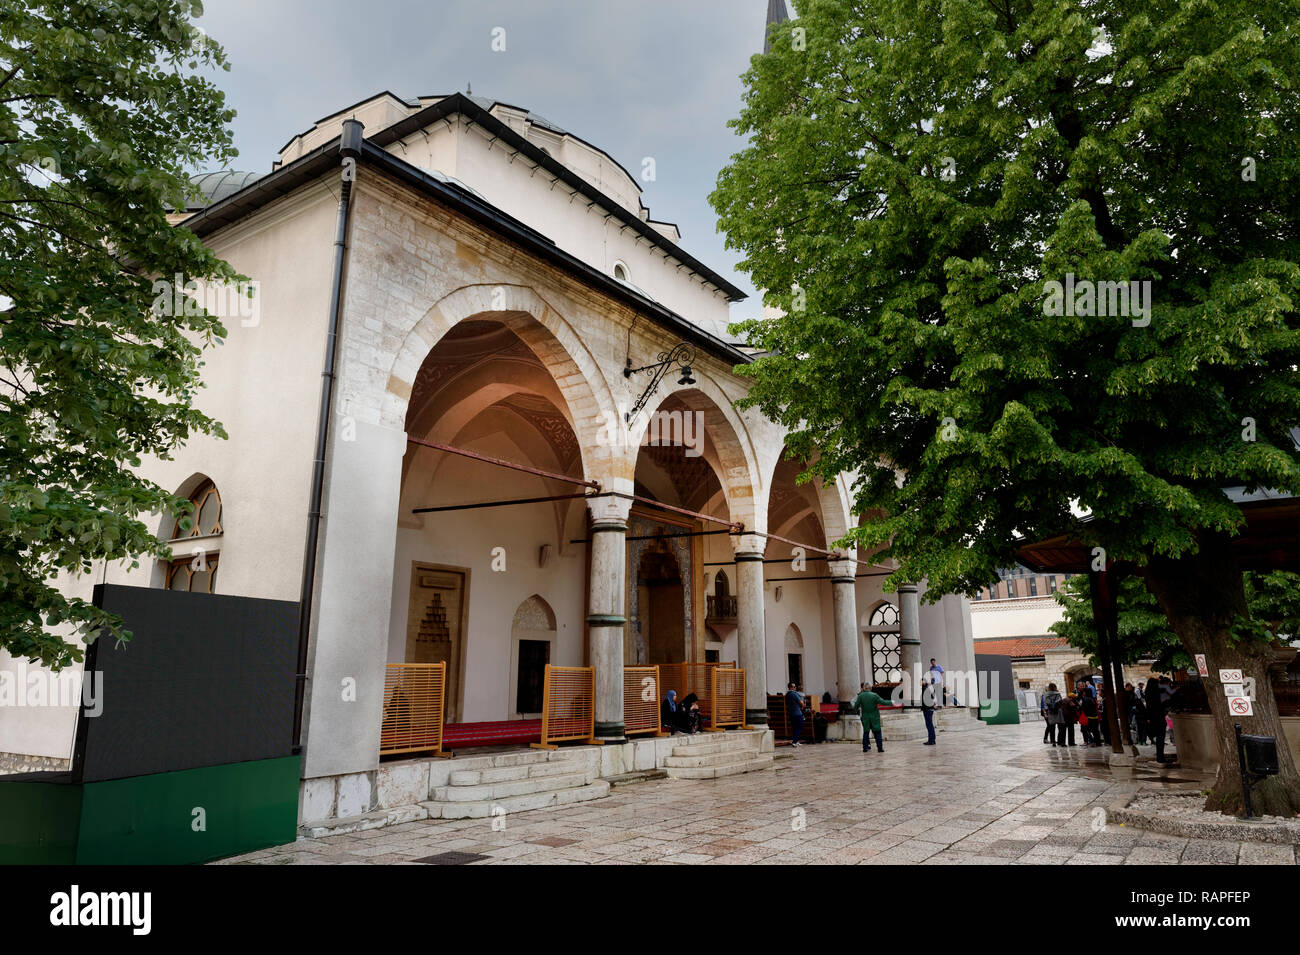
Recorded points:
641,698
568,706
414,695
727,699
688,678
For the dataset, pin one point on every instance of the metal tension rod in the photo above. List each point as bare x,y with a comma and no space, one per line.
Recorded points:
651,502
475,456
505,502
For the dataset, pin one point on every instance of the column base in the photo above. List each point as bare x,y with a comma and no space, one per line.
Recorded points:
612,732
756,717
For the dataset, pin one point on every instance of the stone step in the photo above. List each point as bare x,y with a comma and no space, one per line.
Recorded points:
753,763
501,774
481,809
708,759
704,749
523,758
512,787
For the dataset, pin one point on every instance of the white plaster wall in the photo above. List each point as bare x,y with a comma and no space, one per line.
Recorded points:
1014,617
581,230
262,384
465,539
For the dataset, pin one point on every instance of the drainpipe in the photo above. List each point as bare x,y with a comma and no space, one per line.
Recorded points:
349,150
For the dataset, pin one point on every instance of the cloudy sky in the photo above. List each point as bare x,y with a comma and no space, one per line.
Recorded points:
637,78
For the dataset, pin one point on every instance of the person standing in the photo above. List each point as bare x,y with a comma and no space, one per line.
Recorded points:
1140,715
936,678
868,705
1070,714
1090,715
794,706
1052,710
1049,734
1155,707
928,694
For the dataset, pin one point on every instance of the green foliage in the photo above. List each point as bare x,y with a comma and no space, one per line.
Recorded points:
916,175
1273,601
101,120
1143,630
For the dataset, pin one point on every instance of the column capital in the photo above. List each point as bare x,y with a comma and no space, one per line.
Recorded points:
907,588
609,511
844,570
748,546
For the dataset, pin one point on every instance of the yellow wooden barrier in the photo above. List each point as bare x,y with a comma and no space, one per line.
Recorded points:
414,695
688,678
728,698
641,698
568,706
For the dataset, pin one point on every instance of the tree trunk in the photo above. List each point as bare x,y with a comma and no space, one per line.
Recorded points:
1201,594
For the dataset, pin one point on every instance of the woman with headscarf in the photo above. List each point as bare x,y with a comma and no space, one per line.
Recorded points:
670,714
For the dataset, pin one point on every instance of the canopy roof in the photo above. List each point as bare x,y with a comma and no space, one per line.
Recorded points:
1269,541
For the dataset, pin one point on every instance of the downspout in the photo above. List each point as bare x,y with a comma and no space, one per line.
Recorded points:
349,151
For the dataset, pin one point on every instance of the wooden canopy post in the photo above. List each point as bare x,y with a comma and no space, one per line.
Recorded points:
1104,611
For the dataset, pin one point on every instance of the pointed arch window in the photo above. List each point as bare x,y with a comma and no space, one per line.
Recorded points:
196,543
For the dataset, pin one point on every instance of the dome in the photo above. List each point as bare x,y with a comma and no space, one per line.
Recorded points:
215,186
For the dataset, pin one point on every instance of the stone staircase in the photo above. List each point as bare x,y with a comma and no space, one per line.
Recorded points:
515,782
910,724
714,755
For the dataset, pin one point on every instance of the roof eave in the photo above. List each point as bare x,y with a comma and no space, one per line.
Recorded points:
324,158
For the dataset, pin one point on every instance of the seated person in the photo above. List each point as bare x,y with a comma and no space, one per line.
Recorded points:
692,718
670,712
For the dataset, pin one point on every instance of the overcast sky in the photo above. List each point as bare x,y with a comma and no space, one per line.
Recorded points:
637,78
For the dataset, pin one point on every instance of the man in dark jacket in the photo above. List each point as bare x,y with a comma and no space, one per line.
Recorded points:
929,692
794,706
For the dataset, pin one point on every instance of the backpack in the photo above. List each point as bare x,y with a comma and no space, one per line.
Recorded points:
1054,706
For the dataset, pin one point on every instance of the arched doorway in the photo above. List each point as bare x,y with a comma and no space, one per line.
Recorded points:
532,638
794,655
661,599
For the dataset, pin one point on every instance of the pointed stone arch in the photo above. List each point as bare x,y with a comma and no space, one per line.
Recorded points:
552,338
734,459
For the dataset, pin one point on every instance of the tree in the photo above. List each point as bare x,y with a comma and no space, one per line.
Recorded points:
1144,631
101,117
950,202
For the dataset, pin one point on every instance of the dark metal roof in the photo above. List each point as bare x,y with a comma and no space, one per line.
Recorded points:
325,158
215,186
776,13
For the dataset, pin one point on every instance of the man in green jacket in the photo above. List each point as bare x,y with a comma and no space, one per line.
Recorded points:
867,705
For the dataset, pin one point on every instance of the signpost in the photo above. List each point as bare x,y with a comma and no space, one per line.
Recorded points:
1202,667
1229,676
1241,706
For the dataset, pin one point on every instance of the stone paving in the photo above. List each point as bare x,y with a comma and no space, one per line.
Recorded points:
996,796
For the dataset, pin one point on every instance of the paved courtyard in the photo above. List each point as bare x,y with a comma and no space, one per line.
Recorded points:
996,796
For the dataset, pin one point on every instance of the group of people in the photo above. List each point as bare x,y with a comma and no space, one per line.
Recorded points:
683,717
1146,710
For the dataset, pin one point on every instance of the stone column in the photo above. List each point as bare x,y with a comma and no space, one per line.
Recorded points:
606,616
909,642
845,602
751,629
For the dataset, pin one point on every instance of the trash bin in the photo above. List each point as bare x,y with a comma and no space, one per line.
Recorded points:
1261,754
